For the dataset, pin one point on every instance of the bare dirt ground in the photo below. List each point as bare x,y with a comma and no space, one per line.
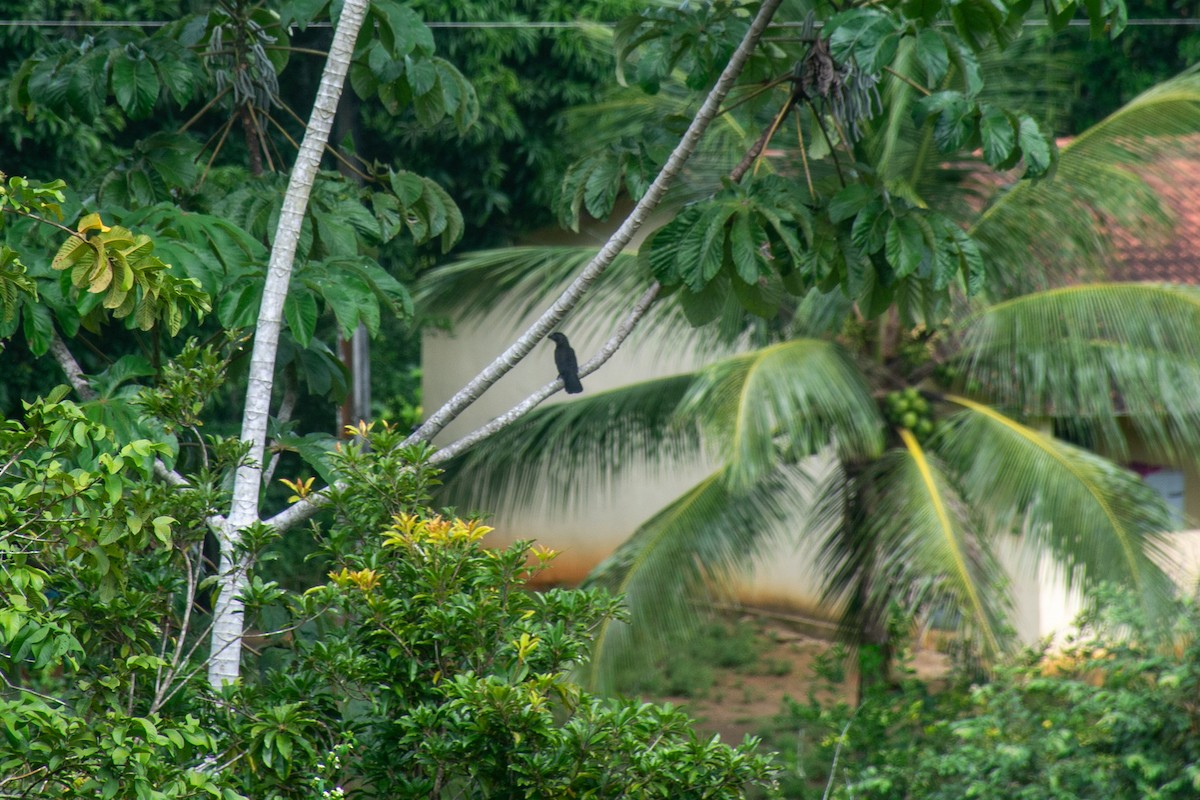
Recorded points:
742,700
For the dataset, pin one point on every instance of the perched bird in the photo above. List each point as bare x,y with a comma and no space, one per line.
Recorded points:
568,367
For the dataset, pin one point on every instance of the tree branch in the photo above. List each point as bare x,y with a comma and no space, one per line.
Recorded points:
66,360
305,509
615,244
528,404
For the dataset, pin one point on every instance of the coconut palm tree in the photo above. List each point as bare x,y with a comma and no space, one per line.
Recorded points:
939,441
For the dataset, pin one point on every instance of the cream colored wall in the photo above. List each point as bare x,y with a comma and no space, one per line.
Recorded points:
591,530
783,578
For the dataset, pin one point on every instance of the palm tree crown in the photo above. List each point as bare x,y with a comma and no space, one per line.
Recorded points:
935,442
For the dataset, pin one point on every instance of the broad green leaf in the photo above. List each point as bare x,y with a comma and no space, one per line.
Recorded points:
968,64
933,56
870,226
850,200
867,36
925,10
237,307
134,83
602,185
704,306
421,73
747,242
429,107
408,186
39,328
956,125
1038,152
753,298
998,130
300,311
905,245
711,227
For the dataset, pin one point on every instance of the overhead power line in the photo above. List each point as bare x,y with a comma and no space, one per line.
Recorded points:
526,24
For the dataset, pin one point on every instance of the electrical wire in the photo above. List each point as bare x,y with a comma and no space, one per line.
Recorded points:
529,25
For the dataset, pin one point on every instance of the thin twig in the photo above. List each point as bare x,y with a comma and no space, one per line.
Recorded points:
220,143
829,142
837,751
804,156
261,135
751,95
204,109
909,81
64,228
333,151
783,112
571,296
286,406
528,404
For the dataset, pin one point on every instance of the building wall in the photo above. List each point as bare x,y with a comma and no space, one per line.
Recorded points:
587,531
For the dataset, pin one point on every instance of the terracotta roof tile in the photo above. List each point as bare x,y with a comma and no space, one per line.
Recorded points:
1174,258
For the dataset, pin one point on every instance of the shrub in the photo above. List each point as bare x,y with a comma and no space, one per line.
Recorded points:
423,667
455,681
1114,715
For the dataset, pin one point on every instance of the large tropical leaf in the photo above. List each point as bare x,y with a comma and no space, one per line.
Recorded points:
685,554
572,450
1094,355
790,398
911,540
1097,521
1039,234
518,279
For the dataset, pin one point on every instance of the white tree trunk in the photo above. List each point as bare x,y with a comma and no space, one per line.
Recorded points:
303,510
225,658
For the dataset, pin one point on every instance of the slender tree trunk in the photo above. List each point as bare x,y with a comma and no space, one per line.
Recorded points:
225,655
299,512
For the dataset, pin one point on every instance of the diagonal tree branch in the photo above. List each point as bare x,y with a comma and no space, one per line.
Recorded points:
303,510
66,360
615,244
75,376
534,400
306,508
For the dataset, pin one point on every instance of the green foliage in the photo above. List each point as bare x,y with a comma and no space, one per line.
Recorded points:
504,172
89,544
456,680
862,228
1112,71
31,199
397,66
425,667
697,41
687,667
1109,714
114,261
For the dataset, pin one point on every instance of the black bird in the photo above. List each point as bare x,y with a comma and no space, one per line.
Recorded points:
568,367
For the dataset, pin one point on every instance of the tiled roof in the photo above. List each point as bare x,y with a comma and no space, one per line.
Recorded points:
1175,257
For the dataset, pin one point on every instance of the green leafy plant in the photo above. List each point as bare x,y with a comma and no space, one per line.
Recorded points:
1110,713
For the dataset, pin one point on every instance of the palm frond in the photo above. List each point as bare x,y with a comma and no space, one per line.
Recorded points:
1098,522
685,553
568,450
1036,234
794,397
1096,354
519,280
912,540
